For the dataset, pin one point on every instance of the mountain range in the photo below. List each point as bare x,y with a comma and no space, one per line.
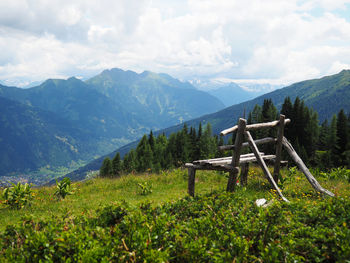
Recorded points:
326,95
60,121
232,94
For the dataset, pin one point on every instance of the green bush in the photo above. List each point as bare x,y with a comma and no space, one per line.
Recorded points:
336,173
144,188
63,188
218,227
18,196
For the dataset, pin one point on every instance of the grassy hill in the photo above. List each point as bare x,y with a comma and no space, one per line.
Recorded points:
110,220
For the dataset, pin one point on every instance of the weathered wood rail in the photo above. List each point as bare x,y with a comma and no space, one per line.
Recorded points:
232,164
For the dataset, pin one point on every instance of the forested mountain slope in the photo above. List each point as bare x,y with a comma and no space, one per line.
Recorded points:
31,138
326,95
113,108
158,99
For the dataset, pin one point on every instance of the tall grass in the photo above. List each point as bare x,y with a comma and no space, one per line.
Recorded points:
166,186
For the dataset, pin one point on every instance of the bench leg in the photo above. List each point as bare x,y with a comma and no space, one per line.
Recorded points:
191,180
244,173
231,184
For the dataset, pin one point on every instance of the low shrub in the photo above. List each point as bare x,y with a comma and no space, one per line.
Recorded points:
218,227
18,196
63,188
145,188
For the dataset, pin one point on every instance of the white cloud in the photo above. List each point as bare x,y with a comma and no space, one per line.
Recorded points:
280,41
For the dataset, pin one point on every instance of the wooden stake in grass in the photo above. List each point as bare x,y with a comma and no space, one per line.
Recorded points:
236,155
303,168
276,170
263,165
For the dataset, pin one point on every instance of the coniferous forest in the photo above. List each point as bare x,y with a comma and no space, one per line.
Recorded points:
324,145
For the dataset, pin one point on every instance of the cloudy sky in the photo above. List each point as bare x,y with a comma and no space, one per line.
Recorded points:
266,41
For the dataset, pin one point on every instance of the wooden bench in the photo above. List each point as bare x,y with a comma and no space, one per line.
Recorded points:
232,164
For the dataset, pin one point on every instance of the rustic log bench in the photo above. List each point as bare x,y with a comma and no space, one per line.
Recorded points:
232,164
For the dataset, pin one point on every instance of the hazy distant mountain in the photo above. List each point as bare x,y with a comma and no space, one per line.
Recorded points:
326,95
114,108
232,94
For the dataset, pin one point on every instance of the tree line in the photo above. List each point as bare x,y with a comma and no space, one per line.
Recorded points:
325,146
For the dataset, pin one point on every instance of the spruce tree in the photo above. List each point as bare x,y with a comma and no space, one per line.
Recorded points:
268,113
159,152
116,165
129,162
144,156
193,143
171,151
287,110
342,138
106,169
207,143
332,141
151,140
197,150
256,117
324,136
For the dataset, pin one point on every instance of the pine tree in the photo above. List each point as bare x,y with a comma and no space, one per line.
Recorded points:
197,149
268,113
324,136
151,140
159,152
342,138
287,110
256,117
193,144
129,162
296,126
116,165
170,151
207,143
183,146
106,169
144,158
219,142
332,141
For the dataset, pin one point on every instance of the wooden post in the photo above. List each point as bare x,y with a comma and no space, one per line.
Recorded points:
191,180
236,155
245,144
254,126
303,168
244,173
280,134
263,165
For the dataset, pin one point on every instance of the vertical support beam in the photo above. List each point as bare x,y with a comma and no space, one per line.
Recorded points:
242,123
263,165
280,134
303,168
244,173
191,180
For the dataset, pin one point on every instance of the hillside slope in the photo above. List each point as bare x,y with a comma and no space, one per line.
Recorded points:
113,108
159,99
326,95
31,138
